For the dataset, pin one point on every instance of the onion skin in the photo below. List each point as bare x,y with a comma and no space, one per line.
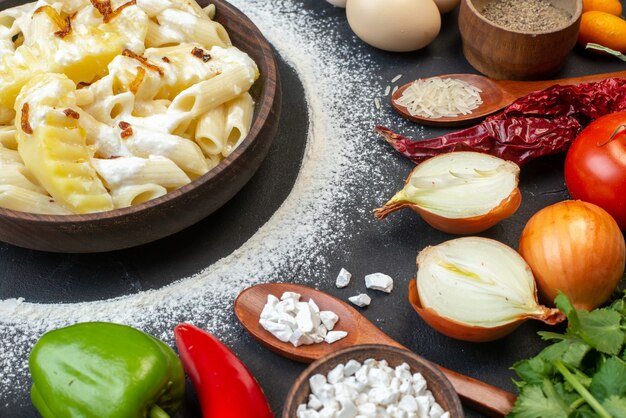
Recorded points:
575,247
459,226
474,224
468,332
454,329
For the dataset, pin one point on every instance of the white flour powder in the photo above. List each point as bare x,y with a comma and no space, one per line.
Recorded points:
340,166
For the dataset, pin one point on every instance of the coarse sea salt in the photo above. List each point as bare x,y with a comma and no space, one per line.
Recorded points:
300,323
361,300
379,281
342,165
343,279
370,390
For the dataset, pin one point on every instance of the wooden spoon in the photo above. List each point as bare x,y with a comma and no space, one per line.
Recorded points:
480,396
496,94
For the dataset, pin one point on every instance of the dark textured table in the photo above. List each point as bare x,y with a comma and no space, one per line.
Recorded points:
52,278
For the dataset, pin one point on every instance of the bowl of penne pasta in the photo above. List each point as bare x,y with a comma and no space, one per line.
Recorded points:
122,122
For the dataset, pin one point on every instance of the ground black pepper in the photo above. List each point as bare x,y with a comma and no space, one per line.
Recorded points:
526,15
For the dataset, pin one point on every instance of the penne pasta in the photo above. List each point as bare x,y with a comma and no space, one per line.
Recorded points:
19,176
238,120
42,28
6,115
213,161
6,46
177,26
210,131
136,194
153,7
106,105
185,153
209,11
189,6
151,107
10,156
202,97
24,200
15,19
107,110
84,97
8,137
209,34
158,36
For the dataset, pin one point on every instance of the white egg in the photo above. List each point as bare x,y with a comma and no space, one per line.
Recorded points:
446,6
338,3
394,25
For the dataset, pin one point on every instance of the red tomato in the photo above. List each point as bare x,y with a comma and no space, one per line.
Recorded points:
595,166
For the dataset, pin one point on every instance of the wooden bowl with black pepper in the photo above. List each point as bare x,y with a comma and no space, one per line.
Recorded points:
180,208
437,383
510,39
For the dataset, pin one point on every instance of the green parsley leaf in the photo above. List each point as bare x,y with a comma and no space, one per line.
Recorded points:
582,374
619,306
534,370
609,380
601,329
563,303
540,367
565,392
615,406
547,336
583,412
571,352
533,403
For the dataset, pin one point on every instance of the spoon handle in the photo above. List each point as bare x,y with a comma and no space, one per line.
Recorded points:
480,396
516,89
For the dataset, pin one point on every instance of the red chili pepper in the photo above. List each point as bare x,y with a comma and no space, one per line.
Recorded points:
224,385
541,123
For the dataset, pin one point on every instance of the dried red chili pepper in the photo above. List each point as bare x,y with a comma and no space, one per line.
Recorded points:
224,385
541,123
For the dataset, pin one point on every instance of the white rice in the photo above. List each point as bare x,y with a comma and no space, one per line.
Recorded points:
437,97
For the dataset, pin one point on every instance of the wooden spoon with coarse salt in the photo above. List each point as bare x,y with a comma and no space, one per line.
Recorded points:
496,94
480,396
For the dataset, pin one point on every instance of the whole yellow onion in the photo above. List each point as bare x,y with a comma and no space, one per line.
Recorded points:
577,248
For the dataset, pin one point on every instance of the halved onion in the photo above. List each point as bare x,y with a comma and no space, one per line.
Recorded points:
476,289
459,192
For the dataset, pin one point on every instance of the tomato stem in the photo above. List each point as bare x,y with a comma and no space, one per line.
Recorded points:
617,130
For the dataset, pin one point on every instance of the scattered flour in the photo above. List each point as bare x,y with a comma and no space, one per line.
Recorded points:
342,161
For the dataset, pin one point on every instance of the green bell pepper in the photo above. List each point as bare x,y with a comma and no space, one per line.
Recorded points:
104,370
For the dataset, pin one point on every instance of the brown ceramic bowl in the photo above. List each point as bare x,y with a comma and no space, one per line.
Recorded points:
502,53
438,384
158,218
